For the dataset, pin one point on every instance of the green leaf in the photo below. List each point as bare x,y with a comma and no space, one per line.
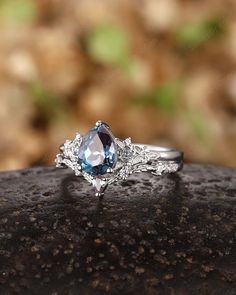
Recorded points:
198,123
108,44
194,35
17,11
163,97
48,102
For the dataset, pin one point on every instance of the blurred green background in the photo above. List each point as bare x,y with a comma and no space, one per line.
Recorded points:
160,71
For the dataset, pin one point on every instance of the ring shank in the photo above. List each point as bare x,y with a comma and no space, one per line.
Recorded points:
166,154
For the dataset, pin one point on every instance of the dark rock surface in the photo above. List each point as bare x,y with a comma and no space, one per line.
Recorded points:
149,235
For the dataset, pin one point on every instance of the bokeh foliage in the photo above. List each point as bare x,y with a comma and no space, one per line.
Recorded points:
164,80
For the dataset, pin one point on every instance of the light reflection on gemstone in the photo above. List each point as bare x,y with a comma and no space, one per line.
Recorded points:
94,153
98,151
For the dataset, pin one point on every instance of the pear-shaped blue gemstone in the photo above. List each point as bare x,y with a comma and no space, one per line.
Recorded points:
97,151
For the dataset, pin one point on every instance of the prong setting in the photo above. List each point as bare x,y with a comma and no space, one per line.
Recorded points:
110,170
99,195
98,123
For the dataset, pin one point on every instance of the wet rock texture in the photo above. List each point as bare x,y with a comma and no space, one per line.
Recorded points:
149,235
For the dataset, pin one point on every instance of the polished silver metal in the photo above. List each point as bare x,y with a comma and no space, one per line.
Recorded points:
132,158
165,154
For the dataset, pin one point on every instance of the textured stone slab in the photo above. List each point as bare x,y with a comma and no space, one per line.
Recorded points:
149,235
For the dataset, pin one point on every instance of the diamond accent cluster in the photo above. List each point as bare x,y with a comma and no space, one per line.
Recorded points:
103,159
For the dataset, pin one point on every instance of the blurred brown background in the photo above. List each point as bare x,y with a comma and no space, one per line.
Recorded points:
160,71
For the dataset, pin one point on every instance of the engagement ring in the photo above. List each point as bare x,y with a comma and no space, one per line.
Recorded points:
103,159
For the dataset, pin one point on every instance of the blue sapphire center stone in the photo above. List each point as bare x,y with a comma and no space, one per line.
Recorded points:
98,151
